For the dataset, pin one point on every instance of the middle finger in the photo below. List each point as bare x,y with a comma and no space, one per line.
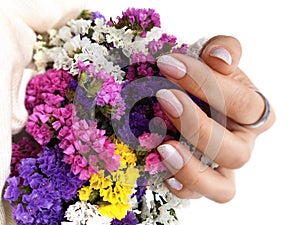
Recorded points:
209,137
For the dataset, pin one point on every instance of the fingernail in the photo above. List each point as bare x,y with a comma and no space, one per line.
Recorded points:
221,53
169,102
171,66
171,156
175,184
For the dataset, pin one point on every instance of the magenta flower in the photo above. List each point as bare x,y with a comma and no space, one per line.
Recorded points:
88,149
55,82
140,21
150,141
154,163
159,113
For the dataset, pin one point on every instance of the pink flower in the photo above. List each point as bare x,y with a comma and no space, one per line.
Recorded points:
48,88
88,149
159,113
154,163
150,141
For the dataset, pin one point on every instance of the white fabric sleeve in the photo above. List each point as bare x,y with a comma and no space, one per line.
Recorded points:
19,20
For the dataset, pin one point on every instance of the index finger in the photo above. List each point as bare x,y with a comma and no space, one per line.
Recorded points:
227,95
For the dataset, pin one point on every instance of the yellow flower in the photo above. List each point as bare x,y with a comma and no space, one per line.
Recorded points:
114,211
116,194
132,174
123,184
127,156
118,176
84,193
98,181
127,177
95,181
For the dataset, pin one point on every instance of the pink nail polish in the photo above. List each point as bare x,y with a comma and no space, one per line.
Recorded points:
173,67
171,157
221,53
169,102
175,184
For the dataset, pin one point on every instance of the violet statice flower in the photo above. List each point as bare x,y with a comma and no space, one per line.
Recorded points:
140,21
163,45
47,184
142,66
182,49
141,188
24,148
129,219
139,119
52,82
83,102
109,92
12,191
98,15
98,88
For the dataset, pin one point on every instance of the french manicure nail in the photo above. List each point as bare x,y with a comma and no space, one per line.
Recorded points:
170,102
175,184
221,53
173,67
171,156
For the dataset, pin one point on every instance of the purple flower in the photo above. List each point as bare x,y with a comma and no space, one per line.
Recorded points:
48,183
73,85
140,21
163,45
109,93
24,148
97,14
141,188
12,192
27,167
22,216
130,219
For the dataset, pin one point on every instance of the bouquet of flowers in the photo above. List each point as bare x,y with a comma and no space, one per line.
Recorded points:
89,156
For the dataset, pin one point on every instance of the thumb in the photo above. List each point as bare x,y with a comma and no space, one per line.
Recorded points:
222,53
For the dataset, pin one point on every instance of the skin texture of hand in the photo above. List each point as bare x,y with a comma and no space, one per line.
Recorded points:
233,101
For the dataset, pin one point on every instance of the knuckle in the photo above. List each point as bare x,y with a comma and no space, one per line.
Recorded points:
228,194
240,159
240,100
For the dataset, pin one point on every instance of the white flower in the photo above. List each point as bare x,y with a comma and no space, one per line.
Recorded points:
149,221
99,220
41,59
65,33
80,26
85,213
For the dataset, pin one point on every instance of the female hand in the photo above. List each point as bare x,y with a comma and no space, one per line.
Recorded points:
228,136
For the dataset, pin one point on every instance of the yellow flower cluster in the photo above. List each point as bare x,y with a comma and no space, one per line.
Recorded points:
114,191
127,156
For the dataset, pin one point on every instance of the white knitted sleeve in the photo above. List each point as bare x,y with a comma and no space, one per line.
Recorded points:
19,20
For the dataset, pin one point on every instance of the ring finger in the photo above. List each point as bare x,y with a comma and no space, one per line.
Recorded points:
192,178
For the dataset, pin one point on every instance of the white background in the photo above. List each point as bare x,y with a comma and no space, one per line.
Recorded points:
268,186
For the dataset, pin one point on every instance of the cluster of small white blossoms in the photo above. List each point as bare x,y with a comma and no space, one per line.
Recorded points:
85,213
66,47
